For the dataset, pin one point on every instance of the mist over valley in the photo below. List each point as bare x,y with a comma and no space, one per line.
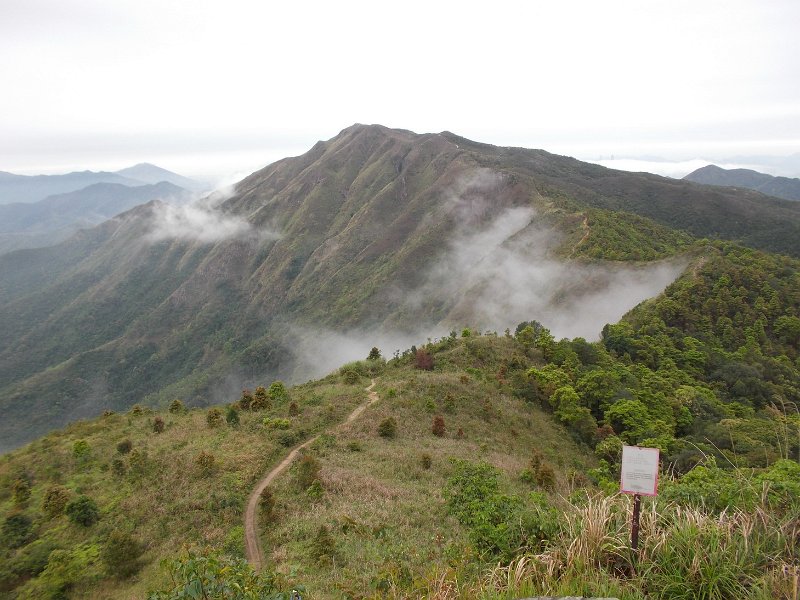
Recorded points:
375,237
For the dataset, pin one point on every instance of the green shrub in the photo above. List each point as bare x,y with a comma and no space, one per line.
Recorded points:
121,554
118,467
500,525
138,461
209,575
21,490
82,511
293,409
276,423
278,393
287,439
350,377
388,428
176,407
16,530
322,548
55,500
158,425
306,472
315,491
124,446
137,410
81,450
65,570
232,416
354,446
374,354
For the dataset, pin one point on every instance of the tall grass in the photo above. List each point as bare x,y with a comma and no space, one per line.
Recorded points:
685,553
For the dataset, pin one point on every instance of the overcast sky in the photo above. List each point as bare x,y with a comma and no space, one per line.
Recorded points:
219,87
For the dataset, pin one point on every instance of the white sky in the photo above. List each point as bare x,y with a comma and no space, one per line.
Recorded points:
217,87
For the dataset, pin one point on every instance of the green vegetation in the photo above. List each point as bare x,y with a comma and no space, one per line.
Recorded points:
210,576
501,481
98,524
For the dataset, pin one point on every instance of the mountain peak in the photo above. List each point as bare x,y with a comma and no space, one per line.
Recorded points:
780,187
150,173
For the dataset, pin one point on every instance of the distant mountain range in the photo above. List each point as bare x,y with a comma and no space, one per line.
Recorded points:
32,188
376,230
52,220
42,210
780,187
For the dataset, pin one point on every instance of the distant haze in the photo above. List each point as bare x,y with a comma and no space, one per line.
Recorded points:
213,89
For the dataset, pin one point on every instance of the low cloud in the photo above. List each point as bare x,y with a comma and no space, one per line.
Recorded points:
493,276
202,220
498,274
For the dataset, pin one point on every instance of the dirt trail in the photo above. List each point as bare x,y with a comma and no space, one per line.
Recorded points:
252,544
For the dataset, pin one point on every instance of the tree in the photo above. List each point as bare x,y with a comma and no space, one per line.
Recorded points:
176,407
83,511
545,342
158,425
374,354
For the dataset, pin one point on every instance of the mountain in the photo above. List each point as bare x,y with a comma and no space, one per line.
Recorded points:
473,464
376,235
32,188
54,219
148,173
780,187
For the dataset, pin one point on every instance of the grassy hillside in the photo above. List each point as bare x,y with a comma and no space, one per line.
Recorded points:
481,449
381,488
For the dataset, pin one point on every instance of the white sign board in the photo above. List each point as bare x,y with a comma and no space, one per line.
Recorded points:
639,471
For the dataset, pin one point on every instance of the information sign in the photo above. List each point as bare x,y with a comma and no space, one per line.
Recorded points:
639,470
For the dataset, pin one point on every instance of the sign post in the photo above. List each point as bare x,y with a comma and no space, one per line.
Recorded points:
638,476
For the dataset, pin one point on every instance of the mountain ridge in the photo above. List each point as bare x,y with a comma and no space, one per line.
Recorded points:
373,230
779,187
32,188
